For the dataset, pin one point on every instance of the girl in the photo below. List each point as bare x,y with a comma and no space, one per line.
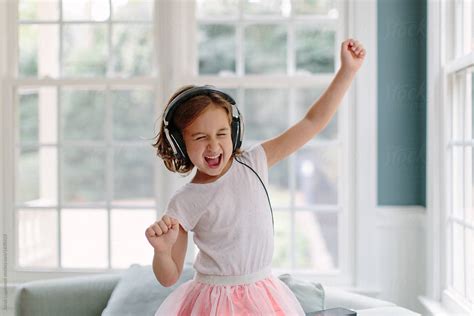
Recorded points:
226,204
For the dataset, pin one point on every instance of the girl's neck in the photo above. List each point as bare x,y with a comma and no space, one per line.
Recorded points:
202,178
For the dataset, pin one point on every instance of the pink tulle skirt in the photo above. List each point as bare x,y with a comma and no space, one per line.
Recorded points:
257,294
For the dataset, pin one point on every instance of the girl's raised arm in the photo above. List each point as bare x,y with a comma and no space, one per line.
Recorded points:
321,112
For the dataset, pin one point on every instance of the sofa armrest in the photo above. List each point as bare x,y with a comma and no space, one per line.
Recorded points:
72,296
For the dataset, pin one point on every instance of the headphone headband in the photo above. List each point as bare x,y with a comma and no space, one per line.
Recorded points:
191,93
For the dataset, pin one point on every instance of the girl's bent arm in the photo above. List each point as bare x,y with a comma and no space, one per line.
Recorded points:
168,265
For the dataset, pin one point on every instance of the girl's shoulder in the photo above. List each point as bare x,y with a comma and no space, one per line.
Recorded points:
254,155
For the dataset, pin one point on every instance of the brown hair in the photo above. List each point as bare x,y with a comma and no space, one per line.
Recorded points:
183,116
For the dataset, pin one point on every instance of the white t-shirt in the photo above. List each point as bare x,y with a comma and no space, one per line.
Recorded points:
230,218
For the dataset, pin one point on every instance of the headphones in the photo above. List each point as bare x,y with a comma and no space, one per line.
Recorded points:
174,136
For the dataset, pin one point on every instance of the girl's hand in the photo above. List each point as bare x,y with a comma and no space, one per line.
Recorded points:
352,55
162,234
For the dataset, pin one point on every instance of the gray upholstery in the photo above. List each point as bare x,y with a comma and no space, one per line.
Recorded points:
74,296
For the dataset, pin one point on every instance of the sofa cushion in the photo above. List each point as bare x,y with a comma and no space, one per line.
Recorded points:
309,294
139,293
337,297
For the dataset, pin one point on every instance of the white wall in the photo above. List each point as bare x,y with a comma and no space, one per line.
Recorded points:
401,254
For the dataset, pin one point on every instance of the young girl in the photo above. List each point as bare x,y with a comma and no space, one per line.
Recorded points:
226,204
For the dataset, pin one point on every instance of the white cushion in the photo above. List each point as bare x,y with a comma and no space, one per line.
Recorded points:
336,297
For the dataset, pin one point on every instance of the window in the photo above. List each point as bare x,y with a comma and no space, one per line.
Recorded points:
86,85
459,286
275,58
84,104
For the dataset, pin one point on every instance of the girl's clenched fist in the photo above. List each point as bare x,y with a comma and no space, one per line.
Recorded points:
162,234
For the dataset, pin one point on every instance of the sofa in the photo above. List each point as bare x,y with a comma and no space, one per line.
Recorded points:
135,291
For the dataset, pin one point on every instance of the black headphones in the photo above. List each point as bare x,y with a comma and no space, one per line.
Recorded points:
174,136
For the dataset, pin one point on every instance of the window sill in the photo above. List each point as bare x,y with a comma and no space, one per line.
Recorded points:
437,308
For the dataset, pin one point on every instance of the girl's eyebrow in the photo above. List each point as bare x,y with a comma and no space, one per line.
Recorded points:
220,130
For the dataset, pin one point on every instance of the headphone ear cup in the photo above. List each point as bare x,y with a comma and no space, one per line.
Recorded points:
236,134
178,141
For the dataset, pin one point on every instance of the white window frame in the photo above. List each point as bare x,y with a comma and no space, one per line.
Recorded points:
443,63
359,271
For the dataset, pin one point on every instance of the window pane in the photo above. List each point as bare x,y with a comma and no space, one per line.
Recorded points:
274,7
227,8
82,114
36,184
38,50
470,264
37,238
279,188
28,116
265,113
37,115
317,175
88,10
458,178
319,7
132,10
316,241
84,50
216,49
265,49
83,175
84,238
282,251
468,106
44,10
132,47
315,50
128,241
472,29
133,113
27,187
457,121
458,258
133,176
304,100
469,183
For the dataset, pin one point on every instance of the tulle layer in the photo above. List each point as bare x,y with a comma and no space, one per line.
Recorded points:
269,296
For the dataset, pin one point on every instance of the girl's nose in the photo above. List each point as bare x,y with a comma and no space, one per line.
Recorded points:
213,144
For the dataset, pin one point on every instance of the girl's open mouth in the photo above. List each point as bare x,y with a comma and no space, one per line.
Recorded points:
214,161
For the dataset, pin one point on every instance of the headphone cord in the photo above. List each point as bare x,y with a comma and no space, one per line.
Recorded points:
268,197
